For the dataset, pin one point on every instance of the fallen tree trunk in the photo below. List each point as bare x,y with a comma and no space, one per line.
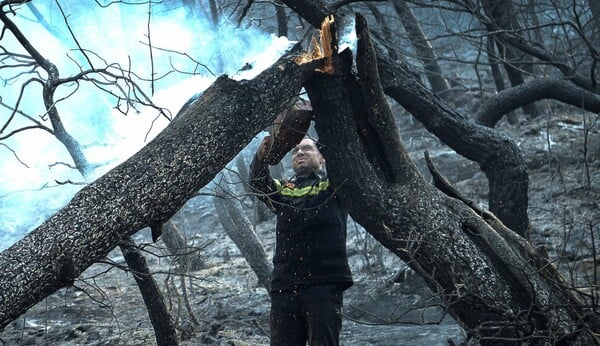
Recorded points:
147,189
159,315
495,284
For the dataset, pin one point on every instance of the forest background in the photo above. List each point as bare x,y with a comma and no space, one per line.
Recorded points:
88,85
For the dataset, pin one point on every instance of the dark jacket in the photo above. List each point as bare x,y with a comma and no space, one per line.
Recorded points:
310,231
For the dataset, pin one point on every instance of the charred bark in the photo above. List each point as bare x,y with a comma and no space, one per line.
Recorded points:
492,279
165,332
543,88
148,188
497,155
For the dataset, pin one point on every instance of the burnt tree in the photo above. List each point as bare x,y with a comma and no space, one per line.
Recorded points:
159,315
494,282
498,156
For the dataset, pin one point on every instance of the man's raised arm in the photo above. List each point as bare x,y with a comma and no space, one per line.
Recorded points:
261,182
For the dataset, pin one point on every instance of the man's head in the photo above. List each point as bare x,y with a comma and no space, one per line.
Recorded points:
306,158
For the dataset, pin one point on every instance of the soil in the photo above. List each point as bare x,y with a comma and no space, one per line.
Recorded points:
220,302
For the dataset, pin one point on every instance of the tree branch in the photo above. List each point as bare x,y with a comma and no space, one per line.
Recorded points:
537,89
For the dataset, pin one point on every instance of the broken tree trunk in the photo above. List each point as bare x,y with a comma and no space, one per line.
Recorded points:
493,281
147,189
498,156
150,291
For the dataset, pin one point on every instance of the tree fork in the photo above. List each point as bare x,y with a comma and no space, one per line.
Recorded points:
473,141
489,276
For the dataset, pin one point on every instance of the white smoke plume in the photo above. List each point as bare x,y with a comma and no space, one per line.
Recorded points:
30,179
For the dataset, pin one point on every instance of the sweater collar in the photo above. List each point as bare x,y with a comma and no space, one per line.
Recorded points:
314,175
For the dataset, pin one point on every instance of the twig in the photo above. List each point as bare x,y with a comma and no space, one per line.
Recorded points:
14,154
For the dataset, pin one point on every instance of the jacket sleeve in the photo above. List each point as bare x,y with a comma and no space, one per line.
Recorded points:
265,187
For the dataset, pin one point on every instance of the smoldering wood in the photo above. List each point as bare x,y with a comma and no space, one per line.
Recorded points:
416,237
148,188
159,316
488,275
68,271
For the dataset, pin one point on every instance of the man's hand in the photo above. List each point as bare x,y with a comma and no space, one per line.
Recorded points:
263,149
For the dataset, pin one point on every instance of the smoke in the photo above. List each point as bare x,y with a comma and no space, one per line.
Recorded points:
188,53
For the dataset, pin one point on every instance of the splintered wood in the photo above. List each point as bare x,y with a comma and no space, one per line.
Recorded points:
322,49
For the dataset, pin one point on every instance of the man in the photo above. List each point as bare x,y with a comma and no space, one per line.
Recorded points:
310,265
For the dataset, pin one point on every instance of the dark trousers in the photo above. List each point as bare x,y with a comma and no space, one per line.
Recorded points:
312,313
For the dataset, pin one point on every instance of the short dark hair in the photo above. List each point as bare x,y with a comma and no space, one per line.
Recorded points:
316,141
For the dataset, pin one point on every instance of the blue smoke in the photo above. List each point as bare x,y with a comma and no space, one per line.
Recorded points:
188,53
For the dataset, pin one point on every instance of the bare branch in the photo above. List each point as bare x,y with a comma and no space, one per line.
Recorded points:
14,154
73,36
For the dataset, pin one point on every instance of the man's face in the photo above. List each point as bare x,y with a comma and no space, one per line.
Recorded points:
306,157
